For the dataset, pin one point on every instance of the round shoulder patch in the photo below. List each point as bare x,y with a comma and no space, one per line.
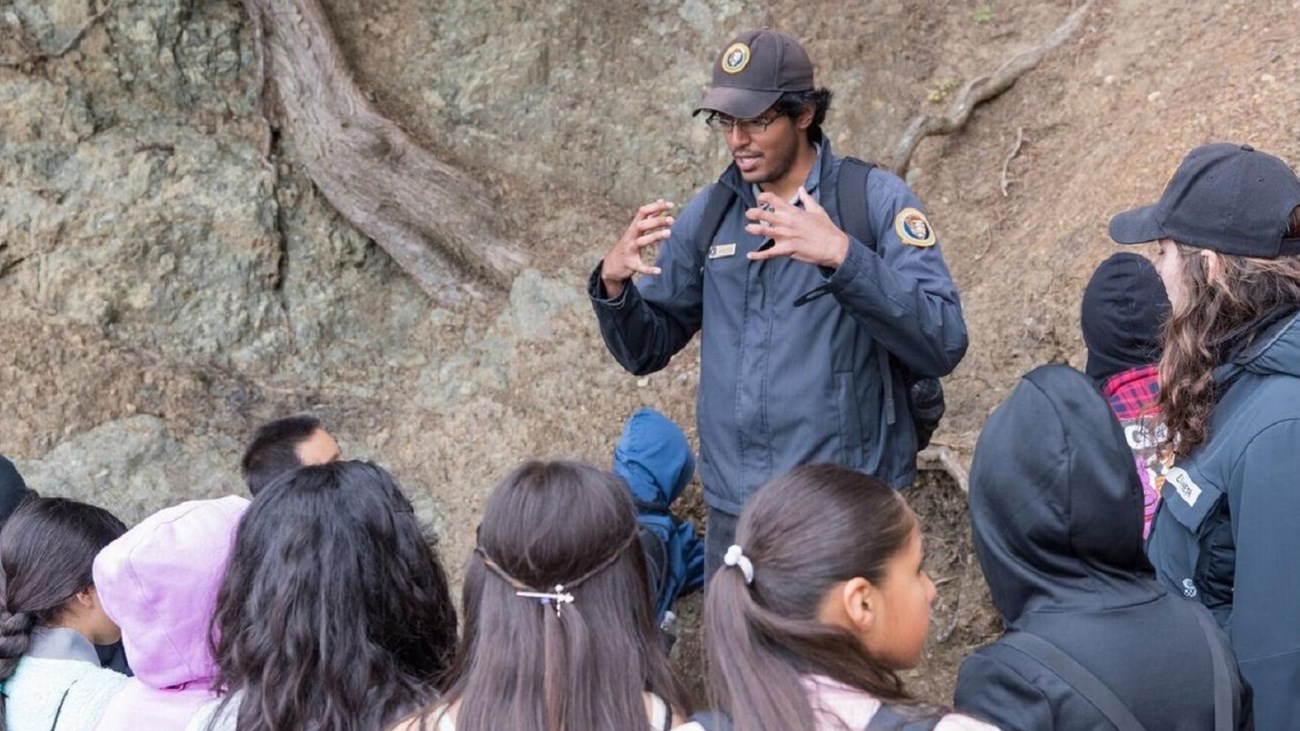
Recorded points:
735,58
913,228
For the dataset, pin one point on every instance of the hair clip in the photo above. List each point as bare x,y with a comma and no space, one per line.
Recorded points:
735,556
557,598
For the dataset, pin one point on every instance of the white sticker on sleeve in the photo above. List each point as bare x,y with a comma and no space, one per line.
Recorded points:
1188,490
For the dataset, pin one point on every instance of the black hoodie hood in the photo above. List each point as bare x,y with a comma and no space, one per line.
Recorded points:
1056,503
12,489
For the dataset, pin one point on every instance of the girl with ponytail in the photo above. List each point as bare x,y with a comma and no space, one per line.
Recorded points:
51,617
559,632
821,602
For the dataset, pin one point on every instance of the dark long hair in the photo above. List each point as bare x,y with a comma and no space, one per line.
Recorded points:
334,612
1210,314
47,549
792,104
804,532
523,665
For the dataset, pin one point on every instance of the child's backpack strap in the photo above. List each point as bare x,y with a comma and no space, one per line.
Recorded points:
1086,684
892,717
1222,672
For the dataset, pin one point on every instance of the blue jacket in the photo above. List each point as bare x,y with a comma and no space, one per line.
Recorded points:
654,459
1228,530
1056,514
782,385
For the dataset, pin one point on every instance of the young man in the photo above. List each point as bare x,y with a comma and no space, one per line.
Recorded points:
807,330
283,445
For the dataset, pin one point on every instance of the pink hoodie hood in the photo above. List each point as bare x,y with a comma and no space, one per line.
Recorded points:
159,583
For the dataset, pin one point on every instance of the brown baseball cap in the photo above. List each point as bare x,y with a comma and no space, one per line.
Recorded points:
753,71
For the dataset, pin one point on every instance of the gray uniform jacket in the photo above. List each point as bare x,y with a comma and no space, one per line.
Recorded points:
1228,530
782,385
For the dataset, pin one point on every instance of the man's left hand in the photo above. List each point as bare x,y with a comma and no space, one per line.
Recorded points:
804,234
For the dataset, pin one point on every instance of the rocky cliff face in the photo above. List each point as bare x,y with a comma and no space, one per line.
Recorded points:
149,258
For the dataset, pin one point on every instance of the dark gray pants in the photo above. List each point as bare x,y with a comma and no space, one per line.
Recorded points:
719,534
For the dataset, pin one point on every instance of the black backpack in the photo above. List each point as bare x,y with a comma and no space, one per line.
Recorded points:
889,718
924,395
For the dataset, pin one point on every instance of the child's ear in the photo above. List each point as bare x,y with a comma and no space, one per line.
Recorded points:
87,598
860,599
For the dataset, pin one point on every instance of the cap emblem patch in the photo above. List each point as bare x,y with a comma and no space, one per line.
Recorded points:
913,228
735,58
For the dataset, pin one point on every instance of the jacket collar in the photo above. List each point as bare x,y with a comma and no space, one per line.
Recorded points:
61,643
1271,352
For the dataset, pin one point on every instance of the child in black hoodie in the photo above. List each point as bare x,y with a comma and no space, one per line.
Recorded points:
1056,509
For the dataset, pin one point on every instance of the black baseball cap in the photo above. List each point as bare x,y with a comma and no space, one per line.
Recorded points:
753,71
1232,199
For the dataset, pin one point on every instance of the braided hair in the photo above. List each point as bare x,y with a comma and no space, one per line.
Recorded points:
47,549
559,631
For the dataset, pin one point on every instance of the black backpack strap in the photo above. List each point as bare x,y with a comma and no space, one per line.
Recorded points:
851,198
1222,672
715,208
1085,683
893,717
59,711
656,556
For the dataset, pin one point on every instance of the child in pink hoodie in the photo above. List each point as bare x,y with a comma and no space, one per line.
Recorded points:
159,583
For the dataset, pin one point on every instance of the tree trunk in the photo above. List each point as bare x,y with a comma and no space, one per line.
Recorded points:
430,217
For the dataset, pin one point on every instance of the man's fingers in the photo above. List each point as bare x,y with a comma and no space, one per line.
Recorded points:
653,209
775,202
649,224
810,204
768,231
642,268
654,237
770,253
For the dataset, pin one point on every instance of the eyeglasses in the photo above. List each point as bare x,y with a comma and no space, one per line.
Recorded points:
725,124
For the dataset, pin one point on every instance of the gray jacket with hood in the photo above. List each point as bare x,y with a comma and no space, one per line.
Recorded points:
1056,509
1228,531
782,385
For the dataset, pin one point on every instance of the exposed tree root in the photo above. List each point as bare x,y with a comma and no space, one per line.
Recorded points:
979,90
1005,182
430,217
941,458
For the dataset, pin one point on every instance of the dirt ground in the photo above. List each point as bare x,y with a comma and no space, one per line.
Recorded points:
450,399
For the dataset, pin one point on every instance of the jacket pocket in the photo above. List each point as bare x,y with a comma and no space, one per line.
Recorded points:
1201,509
850,420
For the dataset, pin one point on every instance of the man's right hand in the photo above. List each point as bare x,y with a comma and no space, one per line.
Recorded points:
650,226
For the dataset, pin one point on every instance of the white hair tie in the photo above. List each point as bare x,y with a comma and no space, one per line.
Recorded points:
735,556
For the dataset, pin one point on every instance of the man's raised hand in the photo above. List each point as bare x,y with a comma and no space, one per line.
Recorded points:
650,226
804,234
